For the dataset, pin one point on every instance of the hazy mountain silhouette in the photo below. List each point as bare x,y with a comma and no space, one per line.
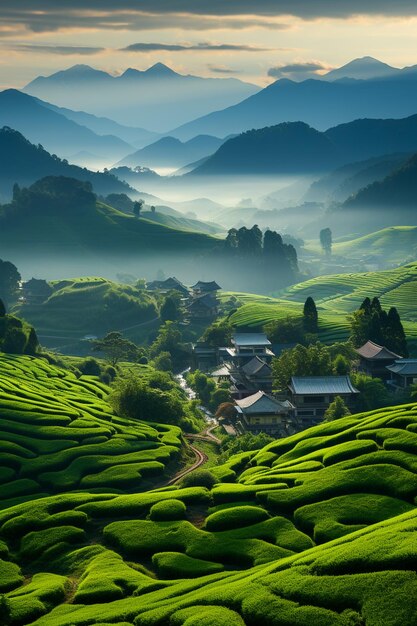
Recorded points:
296,147
24,163
319,103
40,124
349,179
362,69
134,136
171,152
396,192
156,99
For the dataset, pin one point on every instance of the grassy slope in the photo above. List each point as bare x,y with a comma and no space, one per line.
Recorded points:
318,528
393,245
337,295
182,222
100,229
90,305
58,433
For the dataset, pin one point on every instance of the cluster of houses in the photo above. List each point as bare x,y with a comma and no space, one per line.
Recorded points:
200,301
246,366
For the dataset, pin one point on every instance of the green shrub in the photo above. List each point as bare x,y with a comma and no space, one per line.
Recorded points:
177,565
199,478
167,510
235,517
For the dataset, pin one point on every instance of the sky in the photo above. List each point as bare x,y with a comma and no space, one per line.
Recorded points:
253,41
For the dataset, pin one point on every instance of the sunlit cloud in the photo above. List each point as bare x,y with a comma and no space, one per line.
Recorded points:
298,71
222,69
60,50
200,47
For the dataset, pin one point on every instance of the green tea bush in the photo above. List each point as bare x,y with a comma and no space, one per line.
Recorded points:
177,565
167,510
235,517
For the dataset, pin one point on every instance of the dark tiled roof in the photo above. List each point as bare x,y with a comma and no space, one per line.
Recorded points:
321,385
255,366
374,352
202,286
262,403
251,339
205,300
169,283
404,367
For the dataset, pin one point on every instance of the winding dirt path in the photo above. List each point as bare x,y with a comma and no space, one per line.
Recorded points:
201,458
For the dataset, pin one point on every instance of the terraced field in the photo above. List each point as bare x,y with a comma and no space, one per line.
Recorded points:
58,434
336,296
392,245
318,528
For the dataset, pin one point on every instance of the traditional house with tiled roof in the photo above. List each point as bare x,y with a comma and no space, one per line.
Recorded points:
168,285
312,395
202,287
374,359
403,373
262,412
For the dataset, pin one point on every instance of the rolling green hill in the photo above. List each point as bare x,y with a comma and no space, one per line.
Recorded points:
336,295
317,528
58,433
89,305
394,245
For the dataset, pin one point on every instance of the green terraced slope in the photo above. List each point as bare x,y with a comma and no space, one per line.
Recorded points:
316,529
336,296
392,245
89,305
57,433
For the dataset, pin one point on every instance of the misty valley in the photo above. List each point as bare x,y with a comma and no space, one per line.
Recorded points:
208,337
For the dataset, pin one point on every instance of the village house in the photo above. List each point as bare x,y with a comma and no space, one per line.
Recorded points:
374,360
203,307
312,395
170,284
245,346
262,412
403,373
201,288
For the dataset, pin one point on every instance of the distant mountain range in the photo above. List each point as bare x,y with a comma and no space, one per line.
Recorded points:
40,123
321,102
396,192
24,163
349,179
363,69
171,152
297,148
157,99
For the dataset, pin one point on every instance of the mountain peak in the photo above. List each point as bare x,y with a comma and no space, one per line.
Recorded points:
159,69
362,68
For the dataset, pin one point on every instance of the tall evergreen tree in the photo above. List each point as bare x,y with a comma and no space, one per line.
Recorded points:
310,316
2,309
396,339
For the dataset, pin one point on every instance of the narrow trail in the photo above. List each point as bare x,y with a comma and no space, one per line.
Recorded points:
205,435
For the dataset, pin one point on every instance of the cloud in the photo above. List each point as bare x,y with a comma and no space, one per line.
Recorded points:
298,71
53,15
222,69
201,47
104,15
60,50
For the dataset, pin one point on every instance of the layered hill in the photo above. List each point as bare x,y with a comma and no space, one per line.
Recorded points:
171,152
397,191
317,528
56,132
16,150
157,99
336,295
88,306
60,219
319,103
296,147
